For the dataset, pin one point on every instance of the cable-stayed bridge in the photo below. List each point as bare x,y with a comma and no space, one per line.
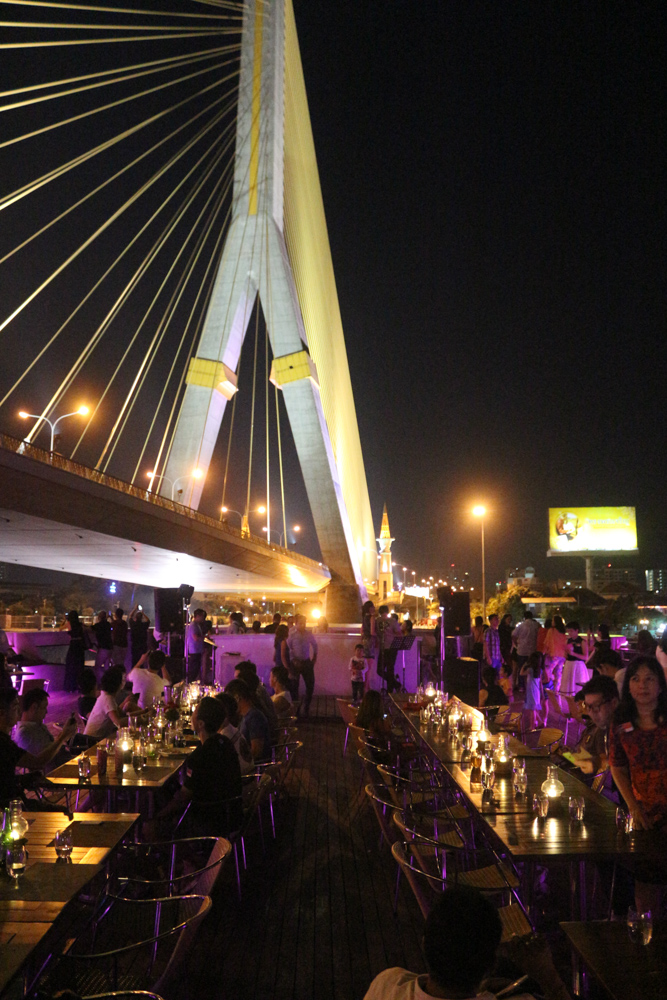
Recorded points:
165,259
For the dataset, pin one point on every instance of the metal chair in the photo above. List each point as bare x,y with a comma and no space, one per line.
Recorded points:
134,943
169,868
348,713
545,739
426,876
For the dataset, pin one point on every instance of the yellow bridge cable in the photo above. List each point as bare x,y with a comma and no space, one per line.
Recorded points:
67,381
124,40
158,66
91,239
167,315
83,301
129,287
118,173
122,100
118,10
207,282
62,25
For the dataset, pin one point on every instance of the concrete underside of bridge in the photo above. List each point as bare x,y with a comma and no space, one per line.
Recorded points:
54,519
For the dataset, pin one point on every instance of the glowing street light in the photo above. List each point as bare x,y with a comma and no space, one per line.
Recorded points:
280,534
83,411
480,511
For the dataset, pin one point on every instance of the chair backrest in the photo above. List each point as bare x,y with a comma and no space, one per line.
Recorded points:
381,803
549,736
203,881
554,700
347,710
357,734
419,885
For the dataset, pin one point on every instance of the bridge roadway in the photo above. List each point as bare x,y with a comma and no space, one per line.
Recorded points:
57,514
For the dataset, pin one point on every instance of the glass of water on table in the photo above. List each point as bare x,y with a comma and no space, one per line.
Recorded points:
63,844
640,926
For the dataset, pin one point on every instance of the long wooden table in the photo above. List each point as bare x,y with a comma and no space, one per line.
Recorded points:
625,970
30,907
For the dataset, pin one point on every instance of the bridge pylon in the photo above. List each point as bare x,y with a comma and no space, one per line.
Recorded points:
287,262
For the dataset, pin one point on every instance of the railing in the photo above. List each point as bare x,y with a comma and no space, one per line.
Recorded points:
57,461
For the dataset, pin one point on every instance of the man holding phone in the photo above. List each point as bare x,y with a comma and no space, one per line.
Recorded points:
13,756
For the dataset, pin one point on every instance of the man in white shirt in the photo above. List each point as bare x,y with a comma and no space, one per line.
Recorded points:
146,678
461,937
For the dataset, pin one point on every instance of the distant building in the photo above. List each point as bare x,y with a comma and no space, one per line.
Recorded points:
522,577
656,580
615,574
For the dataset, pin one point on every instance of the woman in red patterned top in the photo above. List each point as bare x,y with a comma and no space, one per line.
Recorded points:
638,758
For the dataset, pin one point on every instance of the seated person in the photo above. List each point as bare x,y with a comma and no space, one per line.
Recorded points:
107,715
31,734
230,729
281,698
13,756
89,692
148,680
254,726
372,717
247,672
492,694
610,664
212,783
600,696
461,938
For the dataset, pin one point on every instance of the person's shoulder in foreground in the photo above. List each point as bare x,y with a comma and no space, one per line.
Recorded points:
461,938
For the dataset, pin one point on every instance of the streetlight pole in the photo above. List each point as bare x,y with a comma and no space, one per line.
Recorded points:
81,412
197,474
479,512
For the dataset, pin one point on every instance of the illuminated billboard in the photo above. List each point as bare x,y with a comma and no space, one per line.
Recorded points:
578,530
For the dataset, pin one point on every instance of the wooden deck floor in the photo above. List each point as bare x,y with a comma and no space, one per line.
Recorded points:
316,918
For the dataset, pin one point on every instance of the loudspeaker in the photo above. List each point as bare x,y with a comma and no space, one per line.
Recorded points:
461,678
168,610
457,611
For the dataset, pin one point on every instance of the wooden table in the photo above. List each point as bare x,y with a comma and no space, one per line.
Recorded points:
156,774
30,907
626,971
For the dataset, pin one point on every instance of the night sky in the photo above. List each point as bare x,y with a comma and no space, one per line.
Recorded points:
493,179
493,176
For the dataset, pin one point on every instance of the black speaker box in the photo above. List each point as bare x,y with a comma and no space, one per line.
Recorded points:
457,611
168,610
461,678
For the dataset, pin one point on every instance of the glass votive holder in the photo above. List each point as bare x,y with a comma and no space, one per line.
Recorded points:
577,806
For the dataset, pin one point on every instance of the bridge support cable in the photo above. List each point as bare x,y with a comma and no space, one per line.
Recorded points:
53,4
204,291
156,176
159,244
126,249
167,316
57,172
134,72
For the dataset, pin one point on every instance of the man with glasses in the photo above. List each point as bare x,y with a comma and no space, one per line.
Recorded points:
600,703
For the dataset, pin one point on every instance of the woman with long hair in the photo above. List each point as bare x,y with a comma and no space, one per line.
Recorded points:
638,760
371,716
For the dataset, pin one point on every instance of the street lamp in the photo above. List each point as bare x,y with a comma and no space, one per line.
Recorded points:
479,511
196,474
280,534
82,412
405,569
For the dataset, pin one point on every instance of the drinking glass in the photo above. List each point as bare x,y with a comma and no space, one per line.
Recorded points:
620,819
84,768
488,779
640,926
16,860
577,806
541,804
520,782
629,823
63,844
